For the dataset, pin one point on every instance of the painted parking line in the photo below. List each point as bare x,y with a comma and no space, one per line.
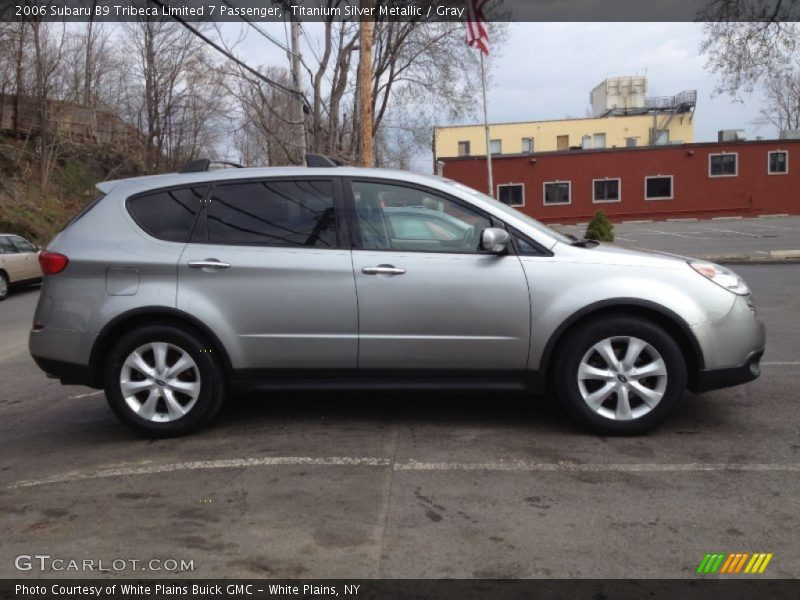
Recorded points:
767,226
97,393
501,466
754,235
680,235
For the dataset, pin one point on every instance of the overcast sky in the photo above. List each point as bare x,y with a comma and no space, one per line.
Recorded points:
547,70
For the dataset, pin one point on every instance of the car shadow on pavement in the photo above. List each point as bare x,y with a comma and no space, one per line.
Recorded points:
463,408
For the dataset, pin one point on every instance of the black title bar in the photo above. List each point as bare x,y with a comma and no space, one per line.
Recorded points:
402,10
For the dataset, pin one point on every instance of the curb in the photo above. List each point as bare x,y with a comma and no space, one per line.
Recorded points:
774,257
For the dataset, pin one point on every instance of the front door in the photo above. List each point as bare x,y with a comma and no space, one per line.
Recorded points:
428,298
267,270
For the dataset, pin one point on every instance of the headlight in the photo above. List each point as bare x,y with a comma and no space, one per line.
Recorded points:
722,277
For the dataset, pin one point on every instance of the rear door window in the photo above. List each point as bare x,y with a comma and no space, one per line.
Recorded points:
167,214
22,244
273,213
6,247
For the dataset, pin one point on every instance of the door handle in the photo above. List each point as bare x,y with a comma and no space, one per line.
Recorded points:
209,263
382,270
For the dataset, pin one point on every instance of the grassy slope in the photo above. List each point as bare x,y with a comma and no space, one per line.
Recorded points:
37,211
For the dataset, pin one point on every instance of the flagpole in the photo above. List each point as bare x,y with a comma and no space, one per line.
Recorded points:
486,127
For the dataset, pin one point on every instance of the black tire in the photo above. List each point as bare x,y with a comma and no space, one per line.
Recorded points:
211,377
4,285
576,345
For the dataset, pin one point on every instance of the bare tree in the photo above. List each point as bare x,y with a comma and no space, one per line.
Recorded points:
782,101
745,40
169,96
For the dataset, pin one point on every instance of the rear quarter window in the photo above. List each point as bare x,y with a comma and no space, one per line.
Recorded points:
167,214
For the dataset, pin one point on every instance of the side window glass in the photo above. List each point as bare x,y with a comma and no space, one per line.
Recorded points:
22,244
6,247
273,213
394,217
526,247
168,214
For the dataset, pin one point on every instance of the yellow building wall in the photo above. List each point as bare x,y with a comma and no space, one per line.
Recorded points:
545,133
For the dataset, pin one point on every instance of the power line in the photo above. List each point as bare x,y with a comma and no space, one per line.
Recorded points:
230,56
261,31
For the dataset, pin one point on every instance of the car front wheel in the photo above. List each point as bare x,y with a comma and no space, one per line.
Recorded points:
3,286
163,381
620,376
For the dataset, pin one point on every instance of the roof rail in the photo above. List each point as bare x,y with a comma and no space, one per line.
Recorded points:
320,160
204,164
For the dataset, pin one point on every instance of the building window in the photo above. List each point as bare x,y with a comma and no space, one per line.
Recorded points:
778,162
599,140
723,165
557,192
512,194
631,142
527,145
661,137
495,146
607,190
658,187
463,149
562,142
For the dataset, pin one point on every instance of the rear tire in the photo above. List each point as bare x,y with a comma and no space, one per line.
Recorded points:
3,286
164,381
620,375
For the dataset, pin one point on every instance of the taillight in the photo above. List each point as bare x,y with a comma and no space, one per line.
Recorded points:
52,262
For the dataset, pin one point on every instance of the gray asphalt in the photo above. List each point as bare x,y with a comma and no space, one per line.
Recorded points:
449,485
756,237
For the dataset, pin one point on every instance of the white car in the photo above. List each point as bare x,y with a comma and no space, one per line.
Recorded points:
19,263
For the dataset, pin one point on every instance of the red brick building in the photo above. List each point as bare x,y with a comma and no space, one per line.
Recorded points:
658,182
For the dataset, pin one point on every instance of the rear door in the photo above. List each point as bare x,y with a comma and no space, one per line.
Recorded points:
428,298
268,269
10,260
26,258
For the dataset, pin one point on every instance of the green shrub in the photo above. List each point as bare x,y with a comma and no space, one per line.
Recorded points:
600,228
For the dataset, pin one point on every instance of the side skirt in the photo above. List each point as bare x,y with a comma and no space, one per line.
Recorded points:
255,380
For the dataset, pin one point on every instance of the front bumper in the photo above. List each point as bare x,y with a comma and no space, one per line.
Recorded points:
732,348
714,379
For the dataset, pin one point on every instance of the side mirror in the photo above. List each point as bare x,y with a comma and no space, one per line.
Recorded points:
494,240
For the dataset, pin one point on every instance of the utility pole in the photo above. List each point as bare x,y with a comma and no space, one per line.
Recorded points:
299,112
365,86
489,174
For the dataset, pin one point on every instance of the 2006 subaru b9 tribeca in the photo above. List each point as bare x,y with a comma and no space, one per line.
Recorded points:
171,291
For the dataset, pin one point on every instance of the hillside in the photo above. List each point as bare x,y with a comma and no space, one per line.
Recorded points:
38,210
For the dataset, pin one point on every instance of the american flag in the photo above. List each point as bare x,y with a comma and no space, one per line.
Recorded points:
477,36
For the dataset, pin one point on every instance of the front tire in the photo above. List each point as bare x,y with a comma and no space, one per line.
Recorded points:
620,375
3,286
164,381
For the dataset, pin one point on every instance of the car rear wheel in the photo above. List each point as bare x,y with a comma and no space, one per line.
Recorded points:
164,381
3,286
620,376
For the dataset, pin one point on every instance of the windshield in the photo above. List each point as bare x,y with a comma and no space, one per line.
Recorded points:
512,211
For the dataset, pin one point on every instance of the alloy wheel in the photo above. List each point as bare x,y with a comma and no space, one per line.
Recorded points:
622,378
160,382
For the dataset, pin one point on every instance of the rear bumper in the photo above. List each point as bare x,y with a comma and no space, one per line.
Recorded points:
69,373
714,379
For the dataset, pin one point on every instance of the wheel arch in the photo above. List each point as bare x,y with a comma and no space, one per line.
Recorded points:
132,319
672,323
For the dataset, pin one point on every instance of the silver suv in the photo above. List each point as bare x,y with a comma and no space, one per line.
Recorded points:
171,291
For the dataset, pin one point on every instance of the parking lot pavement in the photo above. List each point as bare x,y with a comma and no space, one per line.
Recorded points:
408,485
755,238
